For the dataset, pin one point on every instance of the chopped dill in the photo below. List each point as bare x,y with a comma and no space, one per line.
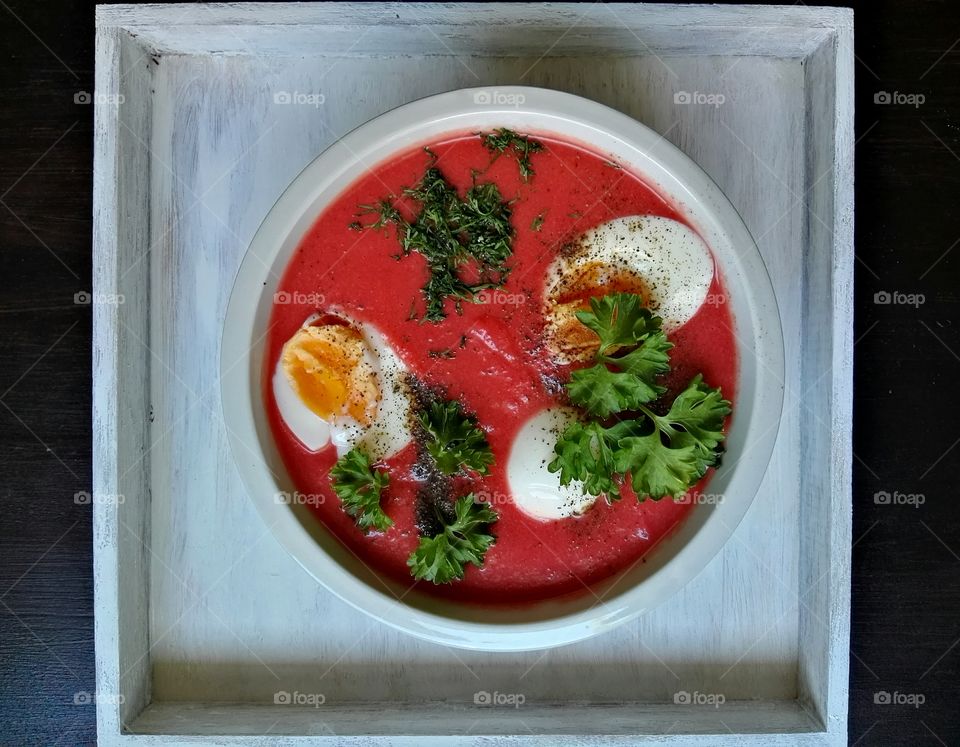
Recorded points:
501,140
384,210
454,235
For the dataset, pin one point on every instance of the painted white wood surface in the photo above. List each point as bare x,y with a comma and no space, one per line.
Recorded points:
826,446
204,150
120,398
753,723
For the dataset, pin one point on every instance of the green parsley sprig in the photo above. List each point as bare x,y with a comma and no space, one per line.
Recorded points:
632,353
358,486
443,558
661,455
680,447
454,439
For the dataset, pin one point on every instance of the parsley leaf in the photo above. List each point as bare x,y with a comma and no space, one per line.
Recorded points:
660,455
683,444
696,419
586,452
501,140
443,558
454,439
656,469
633,345
619,319
600,391
358,486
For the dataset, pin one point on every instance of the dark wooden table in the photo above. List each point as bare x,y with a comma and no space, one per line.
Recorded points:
906,557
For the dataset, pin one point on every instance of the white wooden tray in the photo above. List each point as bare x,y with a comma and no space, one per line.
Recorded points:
206,631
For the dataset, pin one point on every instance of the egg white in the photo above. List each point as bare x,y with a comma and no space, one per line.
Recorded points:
669,258
387,433
535,490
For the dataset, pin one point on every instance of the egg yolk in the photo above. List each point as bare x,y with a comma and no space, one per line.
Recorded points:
567,336
327,367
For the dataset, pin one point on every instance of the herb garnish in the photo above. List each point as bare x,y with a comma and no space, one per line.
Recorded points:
661,455
384,210
501,140
694,429
443,557
454,235
454,439
358,486
537,223
632,352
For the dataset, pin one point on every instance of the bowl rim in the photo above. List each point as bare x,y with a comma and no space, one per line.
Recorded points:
672,174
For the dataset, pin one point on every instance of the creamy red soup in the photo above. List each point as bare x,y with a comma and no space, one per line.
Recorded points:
490,358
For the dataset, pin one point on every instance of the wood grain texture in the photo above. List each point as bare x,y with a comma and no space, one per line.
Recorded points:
905,594
463,725
121,405
826,397
46,583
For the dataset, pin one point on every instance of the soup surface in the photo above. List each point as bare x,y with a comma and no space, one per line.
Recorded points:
492,358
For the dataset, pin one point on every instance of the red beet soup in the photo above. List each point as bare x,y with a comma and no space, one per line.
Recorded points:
490,357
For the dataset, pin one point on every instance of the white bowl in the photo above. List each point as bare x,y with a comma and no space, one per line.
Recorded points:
680,556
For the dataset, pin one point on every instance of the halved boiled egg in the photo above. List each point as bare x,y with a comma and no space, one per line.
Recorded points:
660,259
341,382
535,490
